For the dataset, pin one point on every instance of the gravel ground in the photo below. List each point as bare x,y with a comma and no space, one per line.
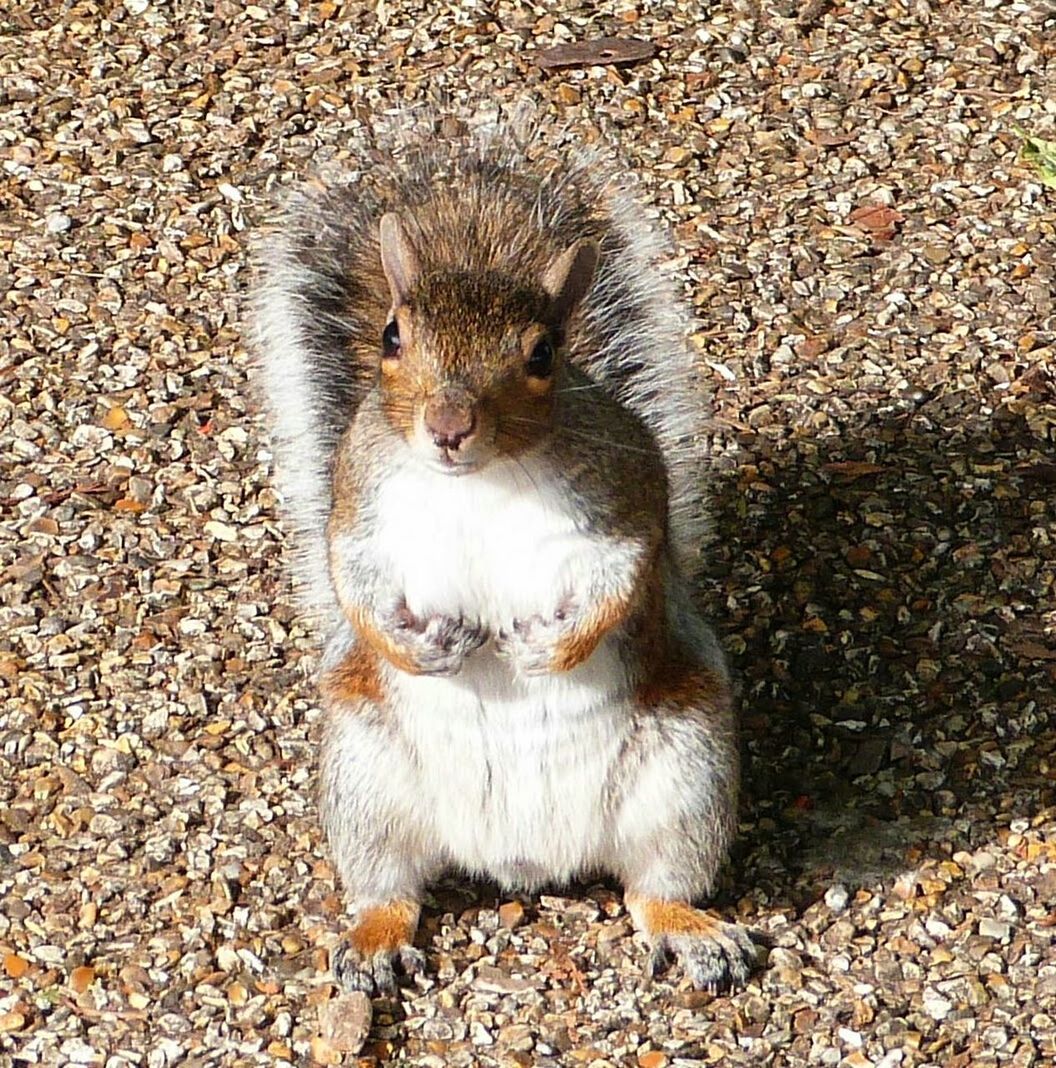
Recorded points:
872,268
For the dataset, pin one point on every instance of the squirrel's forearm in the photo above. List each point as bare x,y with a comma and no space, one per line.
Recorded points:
357,582
376,608
578,646
360,599
621,582
365,622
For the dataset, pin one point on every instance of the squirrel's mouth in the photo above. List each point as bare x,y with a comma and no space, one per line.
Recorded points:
450,462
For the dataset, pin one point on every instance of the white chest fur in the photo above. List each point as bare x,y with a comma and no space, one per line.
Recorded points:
524,800
495,545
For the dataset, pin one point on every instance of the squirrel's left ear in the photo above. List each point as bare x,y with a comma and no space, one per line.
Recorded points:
398,258
568,278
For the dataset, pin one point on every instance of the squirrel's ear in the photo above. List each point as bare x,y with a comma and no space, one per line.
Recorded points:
398,258
568,278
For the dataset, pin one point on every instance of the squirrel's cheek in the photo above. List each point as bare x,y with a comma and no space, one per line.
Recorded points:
538,387
402,413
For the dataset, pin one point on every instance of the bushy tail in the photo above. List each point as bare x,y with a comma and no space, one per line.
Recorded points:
319,296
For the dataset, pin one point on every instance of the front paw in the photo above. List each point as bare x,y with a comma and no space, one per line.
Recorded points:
436,644
532,644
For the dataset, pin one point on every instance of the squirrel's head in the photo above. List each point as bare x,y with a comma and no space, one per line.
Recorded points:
469,358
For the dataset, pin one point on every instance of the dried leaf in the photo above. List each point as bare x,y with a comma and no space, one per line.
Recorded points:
830,138
877,219
116,418
511,914
130,504
600,51
81,978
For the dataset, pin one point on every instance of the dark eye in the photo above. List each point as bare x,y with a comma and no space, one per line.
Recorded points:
541,362
390,342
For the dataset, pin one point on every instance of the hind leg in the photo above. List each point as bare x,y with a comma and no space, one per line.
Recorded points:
676,815
367,803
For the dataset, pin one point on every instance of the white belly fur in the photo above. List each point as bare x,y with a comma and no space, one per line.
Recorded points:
524,800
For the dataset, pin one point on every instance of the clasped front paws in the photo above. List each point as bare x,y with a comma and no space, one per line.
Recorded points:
433,644
534,644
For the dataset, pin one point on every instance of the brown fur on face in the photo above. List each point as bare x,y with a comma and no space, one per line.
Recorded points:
474,332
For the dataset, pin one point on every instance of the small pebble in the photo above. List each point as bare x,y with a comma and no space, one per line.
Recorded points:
836,897
344,1021
996,929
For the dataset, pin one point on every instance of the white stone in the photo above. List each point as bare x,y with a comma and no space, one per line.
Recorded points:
837,897
996,929
479,1035
937,1007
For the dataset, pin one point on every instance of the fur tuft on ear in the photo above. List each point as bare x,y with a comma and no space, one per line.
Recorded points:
398,258
569,277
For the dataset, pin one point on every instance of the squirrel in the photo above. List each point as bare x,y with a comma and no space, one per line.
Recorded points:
487,429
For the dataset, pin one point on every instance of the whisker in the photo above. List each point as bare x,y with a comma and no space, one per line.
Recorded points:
527,474
607,442
583,435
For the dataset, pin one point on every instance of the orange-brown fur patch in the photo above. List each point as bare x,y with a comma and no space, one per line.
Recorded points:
578,646
381,643
355,678
647,595
656,917
384,927
677,683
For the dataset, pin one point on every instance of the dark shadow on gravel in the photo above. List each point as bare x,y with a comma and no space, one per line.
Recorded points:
885,595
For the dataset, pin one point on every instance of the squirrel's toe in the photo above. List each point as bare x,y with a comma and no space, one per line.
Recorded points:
412,961
375,975
350,969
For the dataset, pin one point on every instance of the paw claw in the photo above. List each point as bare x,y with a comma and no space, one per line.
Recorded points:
384,973
530,643
412,961
351,973
659,961
436,644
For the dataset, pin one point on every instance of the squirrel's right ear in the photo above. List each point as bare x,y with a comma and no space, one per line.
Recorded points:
568,278
398,258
